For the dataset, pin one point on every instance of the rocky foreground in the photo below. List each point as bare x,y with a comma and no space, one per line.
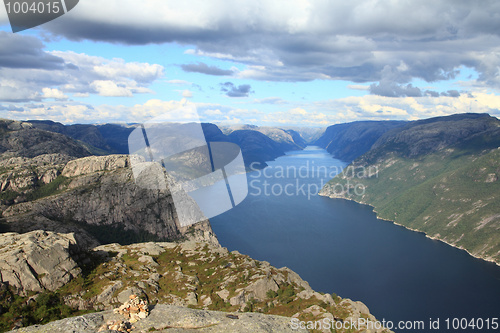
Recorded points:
187,285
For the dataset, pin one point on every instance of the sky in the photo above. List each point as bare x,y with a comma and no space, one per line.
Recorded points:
272,63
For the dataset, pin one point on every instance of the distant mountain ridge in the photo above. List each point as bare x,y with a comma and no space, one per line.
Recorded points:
113,138
22,139
439,176
348,141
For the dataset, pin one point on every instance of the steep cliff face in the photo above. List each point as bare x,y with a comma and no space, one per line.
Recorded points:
351,140
95,195
256,147
439,176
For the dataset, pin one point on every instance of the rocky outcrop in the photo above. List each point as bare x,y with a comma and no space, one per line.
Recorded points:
23,175
171,318
93,164
94,195
174,276
205,276
37,260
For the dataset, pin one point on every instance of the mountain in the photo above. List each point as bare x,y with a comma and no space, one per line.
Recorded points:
22,139
288,139
94,196
256,147
88,134
258,144
348,141
113,139
116,136
439,176
187,285
308,134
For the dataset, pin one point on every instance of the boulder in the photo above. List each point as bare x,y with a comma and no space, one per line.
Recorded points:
38,260
260,287
93,164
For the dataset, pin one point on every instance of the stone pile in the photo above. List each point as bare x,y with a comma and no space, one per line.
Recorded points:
134,310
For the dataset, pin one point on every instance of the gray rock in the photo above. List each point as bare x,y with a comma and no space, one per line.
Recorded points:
106,296
93,164
239,299
37,260
89,323
192,298
169,318
260,287
101,193
125,294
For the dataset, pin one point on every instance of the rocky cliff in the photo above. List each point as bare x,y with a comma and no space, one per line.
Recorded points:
187,284
94,196
348,141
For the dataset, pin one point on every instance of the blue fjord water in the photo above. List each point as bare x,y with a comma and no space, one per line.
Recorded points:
340,246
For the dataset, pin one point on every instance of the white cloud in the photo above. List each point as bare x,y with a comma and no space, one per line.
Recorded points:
215,112
65,113
187,94
110,88
320,113
179,82
358,87
53,93
27,72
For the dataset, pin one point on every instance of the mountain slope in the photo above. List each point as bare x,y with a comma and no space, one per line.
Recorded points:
439,176
288,139
94,196
251,295
348,141
256,147
22,139
113,138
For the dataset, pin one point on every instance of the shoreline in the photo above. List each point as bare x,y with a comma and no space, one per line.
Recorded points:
411,229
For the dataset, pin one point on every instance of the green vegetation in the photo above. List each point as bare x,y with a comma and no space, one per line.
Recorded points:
204,270
8,195
46,190
36,309
451,194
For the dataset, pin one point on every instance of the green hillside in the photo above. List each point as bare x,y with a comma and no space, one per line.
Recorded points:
449,190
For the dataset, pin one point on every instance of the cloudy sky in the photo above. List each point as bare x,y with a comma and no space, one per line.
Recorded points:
301,62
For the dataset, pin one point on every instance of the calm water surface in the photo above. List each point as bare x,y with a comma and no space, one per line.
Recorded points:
340,246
